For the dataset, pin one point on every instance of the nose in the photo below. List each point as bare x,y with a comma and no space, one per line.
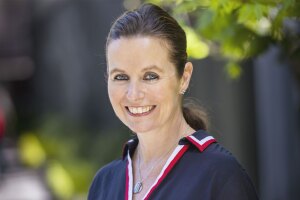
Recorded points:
135,92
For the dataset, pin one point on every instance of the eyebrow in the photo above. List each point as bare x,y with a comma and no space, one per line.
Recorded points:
116,70
148,68
152,67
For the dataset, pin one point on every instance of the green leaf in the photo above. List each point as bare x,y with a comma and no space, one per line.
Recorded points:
59,180
224,6
252,12
29,145
216,27
233,70
195,47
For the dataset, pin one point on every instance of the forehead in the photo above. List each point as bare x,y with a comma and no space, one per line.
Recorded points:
138,52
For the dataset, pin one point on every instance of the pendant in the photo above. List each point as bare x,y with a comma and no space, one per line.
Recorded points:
137,187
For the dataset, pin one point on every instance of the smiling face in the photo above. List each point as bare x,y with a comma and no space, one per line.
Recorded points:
143,85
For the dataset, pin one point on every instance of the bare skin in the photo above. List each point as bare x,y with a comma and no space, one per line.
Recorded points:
145,92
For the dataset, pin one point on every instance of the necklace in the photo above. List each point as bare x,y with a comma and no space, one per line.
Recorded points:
139,185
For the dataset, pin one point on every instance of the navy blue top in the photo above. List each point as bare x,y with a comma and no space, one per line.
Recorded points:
199,168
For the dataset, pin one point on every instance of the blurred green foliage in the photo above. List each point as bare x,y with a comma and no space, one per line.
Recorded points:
30,145
236,29
232,29
69,154
195,47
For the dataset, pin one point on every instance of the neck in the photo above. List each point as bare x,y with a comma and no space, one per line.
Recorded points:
155,143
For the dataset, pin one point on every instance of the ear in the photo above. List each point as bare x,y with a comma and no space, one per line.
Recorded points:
186,77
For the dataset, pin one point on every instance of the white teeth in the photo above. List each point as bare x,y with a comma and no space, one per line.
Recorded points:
135,110
144,109
140,110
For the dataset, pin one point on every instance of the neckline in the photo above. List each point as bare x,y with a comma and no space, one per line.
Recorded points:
171,161
194,139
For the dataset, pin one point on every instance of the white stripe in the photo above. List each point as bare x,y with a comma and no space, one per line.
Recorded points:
171,157
130,177
201,142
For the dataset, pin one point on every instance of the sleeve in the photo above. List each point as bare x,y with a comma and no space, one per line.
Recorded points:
238,186
109,182
93,188
100,184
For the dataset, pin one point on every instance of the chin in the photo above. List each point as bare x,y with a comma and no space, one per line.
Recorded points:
140,128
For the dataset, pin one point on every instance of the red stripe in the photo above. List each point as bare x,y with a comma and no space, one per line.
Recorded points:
127,181
207,143
168,169
201,147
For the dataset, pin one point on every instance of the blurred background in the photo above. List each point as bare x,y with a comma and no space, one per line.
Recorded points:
57,127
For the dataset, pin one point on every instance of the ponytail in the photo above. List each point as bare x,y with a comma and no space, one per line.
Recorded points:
194,115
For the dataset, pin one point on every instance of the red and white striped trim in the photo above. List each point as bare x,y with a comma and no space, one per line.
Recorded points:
201,144
129,179
172,160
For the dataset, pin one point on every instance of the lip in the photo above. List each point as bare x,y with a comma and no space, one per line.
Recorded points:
140,114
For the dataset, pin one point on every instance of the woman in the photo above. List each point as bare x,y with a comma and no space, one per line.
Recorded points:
172,156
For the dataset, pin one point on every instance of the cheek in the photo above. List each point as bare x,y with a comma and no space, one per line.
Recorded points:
165,92
115,94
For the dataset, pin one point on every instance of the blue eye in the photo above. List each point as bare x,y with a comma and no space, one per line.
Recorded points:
121,77
151,76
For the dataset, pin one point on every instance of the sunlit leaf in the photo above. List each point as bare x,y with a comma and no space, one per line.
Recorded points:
233,70
267,2
215,27
224,6
237,29
190,6
261,27
31,150
185,7
59,180
232,51
81,172
156,2
195,47
252,12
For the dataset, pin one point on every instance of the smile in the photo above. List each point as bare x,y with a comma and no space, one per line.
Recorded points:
140,111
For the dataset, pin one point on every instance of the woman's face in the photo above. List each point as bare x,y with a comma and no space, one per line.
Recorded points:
143,85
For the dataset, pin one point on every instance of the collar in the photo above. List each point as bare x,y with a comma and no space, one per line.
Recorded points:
199,139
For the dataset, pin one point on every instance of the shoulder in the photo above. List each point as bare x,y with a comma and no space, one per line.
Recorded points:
215,163
230,179
206,151
220,170
221,159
